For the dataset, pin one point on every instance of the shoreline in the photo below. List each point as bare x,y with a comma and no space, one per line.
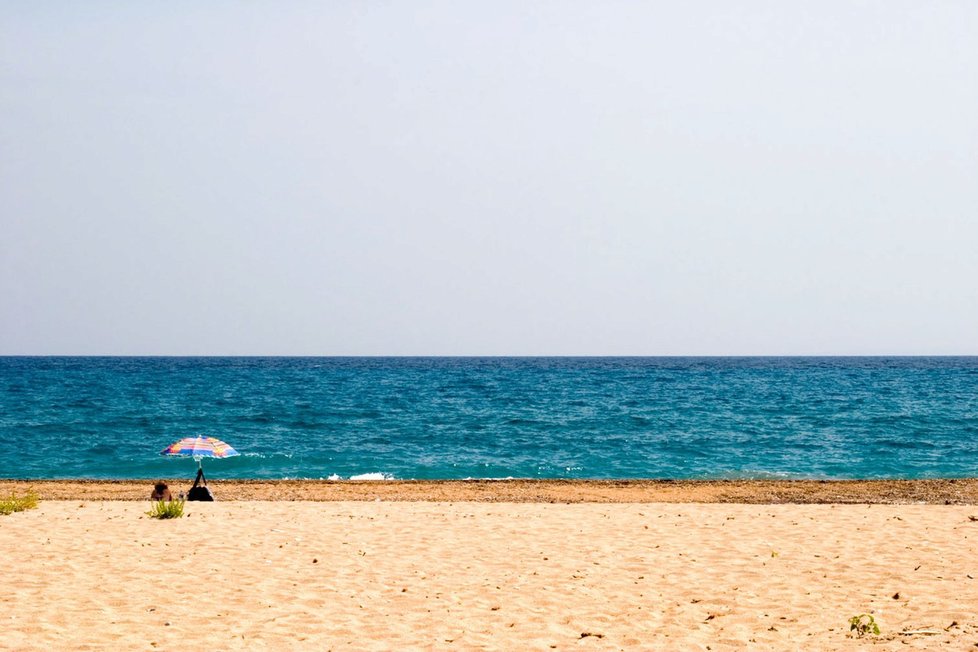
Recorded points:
954,491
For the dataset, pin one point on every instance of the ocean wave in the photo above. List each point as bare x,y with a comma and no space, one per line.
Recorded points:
509,477
751,474
373,476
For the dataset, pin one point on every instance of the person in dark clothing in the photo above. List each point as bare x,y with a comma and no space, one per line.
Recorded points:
161,492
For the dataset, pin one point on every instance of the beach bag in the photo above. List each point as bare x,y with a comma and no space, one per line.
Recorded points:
200,492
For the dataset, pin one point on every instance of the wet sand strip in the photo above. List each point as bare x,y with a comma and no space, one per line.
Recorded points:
941,491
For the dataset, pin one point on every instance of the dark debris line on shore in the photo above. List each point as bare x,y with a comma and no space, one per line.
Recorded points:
947,491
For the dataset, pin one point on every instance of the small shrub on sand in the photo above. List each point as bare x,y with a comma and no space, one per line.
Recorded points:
18,503
167,509
863,627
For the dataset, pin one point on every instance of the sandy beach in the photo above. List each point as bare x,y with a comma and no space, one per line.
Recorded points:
379,574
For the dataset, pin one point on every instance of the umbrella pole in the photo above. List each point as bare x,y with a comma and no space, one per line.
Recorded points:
200,471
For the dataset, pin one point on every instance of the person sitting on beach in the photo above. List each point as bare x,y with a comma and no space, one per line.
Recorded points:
161,492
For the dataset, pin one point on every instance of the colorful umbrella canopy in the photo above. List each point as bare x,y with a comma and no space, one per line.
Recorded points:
200,446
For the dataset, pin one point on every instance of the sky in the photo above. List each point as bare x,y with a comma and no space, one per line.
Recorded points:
489,178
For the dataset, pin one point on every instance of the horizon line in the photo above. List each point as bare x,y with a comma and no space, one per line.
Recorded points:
499,356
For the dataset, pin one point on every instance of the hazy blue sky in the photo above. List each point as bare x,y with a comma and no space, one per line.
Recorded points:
489,177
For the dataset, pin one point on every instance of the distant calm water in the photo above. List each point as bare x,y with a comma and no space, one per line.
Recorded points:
493,417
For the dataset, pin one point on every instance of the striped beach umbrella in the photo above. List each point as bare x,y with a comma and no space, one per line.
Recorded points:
199,447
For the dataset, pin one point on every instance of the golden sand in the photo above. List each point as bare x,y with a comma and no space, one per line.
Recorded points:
395,575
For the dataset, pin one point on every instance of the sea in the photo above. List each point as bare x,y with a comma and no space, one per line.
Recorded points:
498,417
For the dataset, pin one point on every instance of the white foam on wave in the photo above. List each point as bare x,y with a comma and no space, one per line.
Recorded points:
372,476
763,474
336,477
508,477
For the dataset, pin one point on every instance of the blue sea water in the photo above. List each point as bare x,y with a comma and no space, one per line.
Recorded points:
66,417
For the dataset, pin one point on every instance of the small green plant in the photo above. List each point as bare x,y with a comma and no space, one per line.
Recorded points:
18,503
167,509
863,627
